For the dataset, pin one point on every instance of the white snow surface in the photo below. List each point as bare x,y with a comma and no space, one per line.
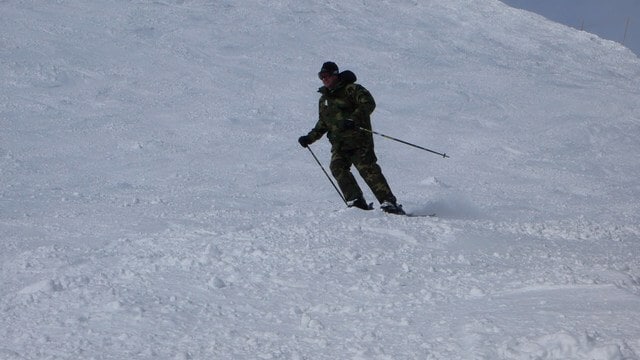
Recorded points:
155,203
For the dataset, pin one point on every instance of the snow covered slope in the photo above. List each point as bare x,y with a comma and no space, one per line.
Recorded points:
156,204
617,20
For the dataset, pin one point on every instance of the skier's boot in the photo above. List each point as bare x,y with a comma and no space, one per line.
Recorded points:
360,203
392,207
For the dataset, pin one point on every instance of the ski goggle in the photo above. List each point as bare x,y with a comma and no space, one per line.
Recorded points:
325,74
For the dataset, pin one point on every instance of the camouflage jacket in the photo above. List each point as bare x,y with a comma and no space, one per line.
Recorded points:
347,100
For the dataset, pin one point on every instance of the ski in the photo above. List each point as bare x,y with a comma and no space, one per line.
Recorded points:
432,215
400,211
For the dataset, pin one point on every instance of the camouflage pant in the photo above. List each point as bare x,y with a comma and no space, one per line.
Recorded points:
365,161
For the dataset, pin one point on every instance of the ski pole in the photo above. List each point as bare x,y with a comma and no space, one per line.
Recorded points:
328,177
404,142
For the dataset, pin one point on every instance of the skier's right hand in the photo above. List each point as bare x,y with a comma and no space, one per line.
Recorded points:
304,141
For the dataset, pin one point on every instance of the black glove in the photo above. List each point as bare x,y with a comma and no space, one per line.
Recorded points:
304,141
347,124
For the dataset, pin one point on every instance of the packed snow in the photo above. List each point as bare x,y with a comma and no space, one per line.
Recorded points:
156,203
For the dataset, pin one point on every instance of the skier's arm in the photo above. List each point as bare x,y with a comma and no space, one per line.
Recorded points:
320,128
365,104
317,131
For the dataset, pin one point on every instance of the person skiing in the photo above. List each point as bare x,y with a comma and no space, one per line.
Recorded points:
344,108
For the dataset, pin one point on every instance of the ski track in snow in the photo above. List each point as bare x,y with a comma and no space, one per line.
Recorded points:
155,204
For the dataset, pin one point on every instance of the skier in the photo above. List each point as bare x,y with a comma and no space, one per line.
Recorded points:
344,107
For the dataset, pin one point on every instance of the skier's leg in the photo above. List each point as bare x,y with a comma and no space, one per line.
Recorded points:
366,162
340,169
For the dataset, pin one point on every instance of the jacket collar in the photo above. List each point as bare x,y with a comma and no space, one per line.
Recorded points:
346,77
